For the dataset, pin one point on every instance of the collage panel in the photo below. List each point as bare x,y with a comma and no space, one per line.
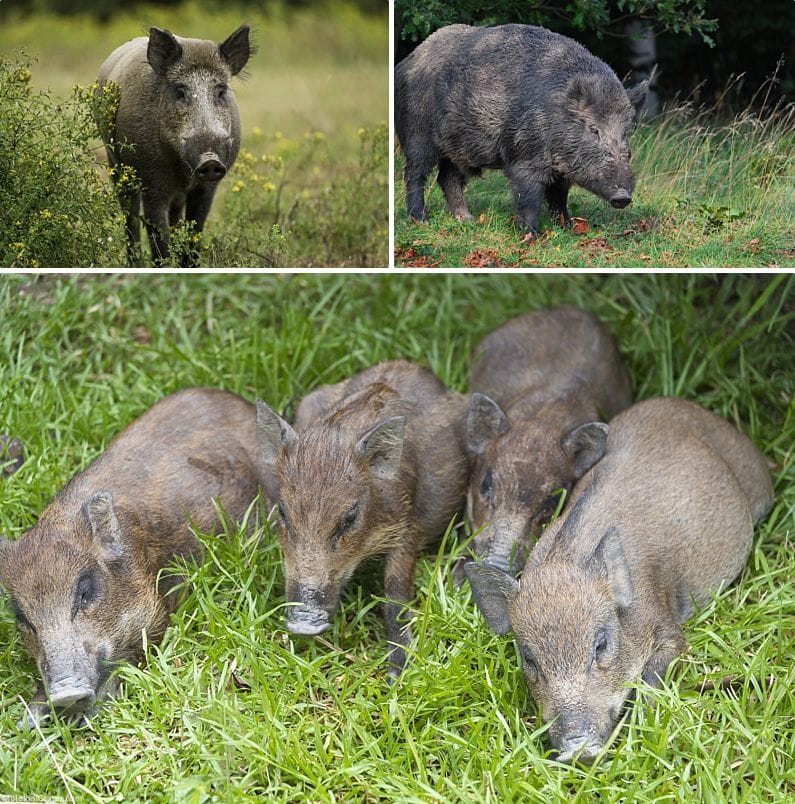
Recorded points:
192,133
261,533
594,135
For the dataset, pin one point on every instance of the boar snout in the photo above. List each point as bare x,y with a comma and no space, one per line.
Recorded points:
210,169
575,738
620,199
307,621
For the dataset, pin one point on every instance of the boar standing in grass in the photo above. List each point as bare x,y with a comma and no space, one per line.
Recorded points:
83,582
377,467
177,125
526,100
544,384
662,522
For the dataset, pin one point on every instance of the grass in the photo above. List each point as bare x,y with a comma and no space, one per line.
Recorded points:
710,192
313,105
230,707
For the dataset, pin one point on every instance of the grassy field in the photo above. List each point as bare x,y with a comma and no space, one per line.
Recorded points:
710,192
230,707
313,104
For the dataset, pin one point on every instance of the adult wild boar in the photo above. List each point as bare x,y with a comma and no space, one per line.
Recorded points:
526,100
544,383
377,467
663,521
83,581
177,124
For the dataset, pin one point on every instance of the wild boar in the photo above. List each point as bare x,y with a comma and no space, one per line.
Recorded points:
83,581
544,383
377,467
664,520
177,124
523,99
12,455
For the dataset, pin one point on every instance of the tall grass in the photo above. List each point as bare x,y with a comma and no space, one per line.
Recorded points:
711,192
231,707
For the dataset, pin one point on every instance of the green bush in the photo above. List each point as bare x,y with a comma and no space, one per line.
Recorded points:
57,208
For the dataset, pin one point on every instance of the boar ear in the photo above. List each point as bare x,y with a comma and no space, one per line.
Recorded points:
382,446
585,445
609,560
637,95
105,526
236,49
273,433
485,420
163,50
493,590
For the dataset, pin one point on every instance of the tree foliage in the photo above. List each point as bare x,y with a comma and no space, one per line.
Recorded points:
419,18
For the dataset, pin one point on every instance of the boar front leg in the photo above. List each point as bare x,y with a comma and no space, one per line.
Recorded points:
452,181
197,208
156,219
528,193
668,646
398,582
557,196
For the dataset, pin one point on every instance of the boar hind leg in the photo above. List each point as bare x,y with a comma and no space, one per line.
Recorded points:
398,581
418,168
557,196
452,181
528,193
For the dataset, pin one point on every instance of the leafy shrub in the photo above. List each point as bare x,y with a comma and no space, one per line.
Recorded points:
57,210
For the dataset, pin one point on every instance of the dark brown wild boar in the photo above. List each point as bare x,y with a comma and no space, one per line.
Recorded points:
377,467
83,582
544,383
663,521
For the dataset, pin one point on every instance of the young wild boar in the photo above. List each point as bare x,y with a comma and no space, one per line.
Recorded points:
83,582
177,125
544,384
664,520
377,467
526,100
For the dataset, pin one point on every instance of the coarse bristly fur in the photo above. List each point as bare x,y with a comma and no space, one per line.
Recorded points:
377,466
83,582
543,384
177,125
661,522
531,102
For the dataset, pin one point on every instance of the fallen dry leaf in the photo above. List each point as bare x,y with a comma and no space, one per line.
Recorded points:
579,225
482,218
484,258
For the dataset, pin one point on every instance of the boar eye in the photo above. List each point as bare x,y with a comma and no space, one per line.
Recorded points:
22,620
220,93
530,666
180,92
601,646
346,522
487,487
86,592
595,131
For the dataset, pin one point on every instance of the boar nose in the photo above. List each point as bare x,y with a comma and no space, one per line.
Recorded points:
72,699
577,742
620,199
306,621
210,170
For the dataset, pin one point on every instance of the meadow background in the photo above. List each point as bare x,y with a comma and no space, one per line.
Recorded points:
232,708
310,187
